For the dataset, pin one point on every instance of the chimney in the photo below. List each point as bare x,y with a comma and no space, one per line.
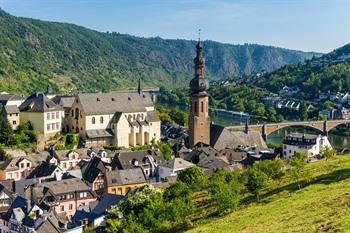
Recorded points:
29,205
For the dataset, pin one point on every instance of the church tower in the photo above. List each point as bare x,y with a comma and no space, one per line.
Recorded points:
199,122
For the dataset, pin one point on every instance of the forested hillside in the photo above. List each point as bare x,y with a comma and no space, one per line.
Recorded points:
329,73
35,53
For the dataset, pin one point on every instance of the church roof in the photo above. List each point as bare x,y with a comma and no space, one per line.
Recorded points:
109,103
221,138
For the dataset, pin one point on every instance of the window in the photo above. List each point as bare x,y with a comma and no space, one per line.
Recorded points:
28,164
53,115
120,191
53,126
64,165
70,164
202,106
101,119
70,206
114,191
48,127
57,125
16,114
93,120
57,115
62,208
48,116
14,122
22,165
72,112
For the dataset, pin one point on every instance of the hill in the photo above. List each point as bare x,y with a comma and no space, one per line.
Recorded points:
330,72
321,206
35,53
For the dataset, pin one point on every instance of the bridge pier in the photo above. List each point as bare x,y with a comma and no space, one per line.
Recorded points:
263,132
325,131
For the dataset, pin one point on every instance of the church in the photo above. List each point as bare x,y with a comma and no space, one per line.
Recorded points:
201,129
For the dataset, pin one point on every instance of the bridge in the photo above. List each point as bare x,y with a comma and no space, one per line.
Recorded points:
268,128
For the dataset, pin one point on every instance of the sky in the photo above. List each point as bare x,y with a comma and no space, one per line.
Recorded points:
308,25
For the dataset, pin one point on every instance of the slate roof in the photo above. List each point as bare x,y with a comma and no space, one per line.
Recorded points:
221,138
5,97
92,169
43,170
19,202
64,101
99,133
127,159
109,103
47,226
233,156
60,187
152,117
11,109
124,177
177,163
38,102
106,203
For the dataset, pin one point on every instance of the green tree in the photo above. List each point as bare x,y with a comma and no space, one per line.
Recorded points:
328,152
303,111
6,133
178,205
194,177
225,190
256,181
297,163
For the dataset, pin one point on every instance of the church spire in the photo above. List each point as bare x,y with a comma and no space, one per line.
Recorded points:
199,84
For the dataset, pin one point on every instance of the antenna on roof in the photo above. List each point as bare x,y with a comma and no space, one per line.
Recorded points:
139,90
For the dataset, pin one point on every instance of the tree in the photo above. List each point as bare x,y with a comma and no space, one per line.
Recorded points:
178,204
303,111
274,169
6,133
297,163
256,181
194,177
225,190
328,152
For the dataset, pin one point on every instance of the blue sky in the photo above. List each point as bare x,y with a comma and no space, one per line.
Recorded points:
309,25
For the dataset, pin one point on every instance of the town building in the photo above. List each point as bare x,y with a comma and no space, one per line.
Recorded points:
121,119
64,196
44,115
309,144
120,182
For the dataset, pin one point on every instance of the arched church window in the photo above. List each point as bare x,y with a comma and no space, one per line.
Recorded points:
101,119
93,120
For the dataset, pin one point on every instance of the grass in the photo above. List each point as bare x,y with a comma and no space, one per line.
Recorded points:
321,205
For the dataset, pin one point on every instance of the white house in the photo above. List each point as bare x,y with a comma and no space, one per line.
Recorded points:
309,144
